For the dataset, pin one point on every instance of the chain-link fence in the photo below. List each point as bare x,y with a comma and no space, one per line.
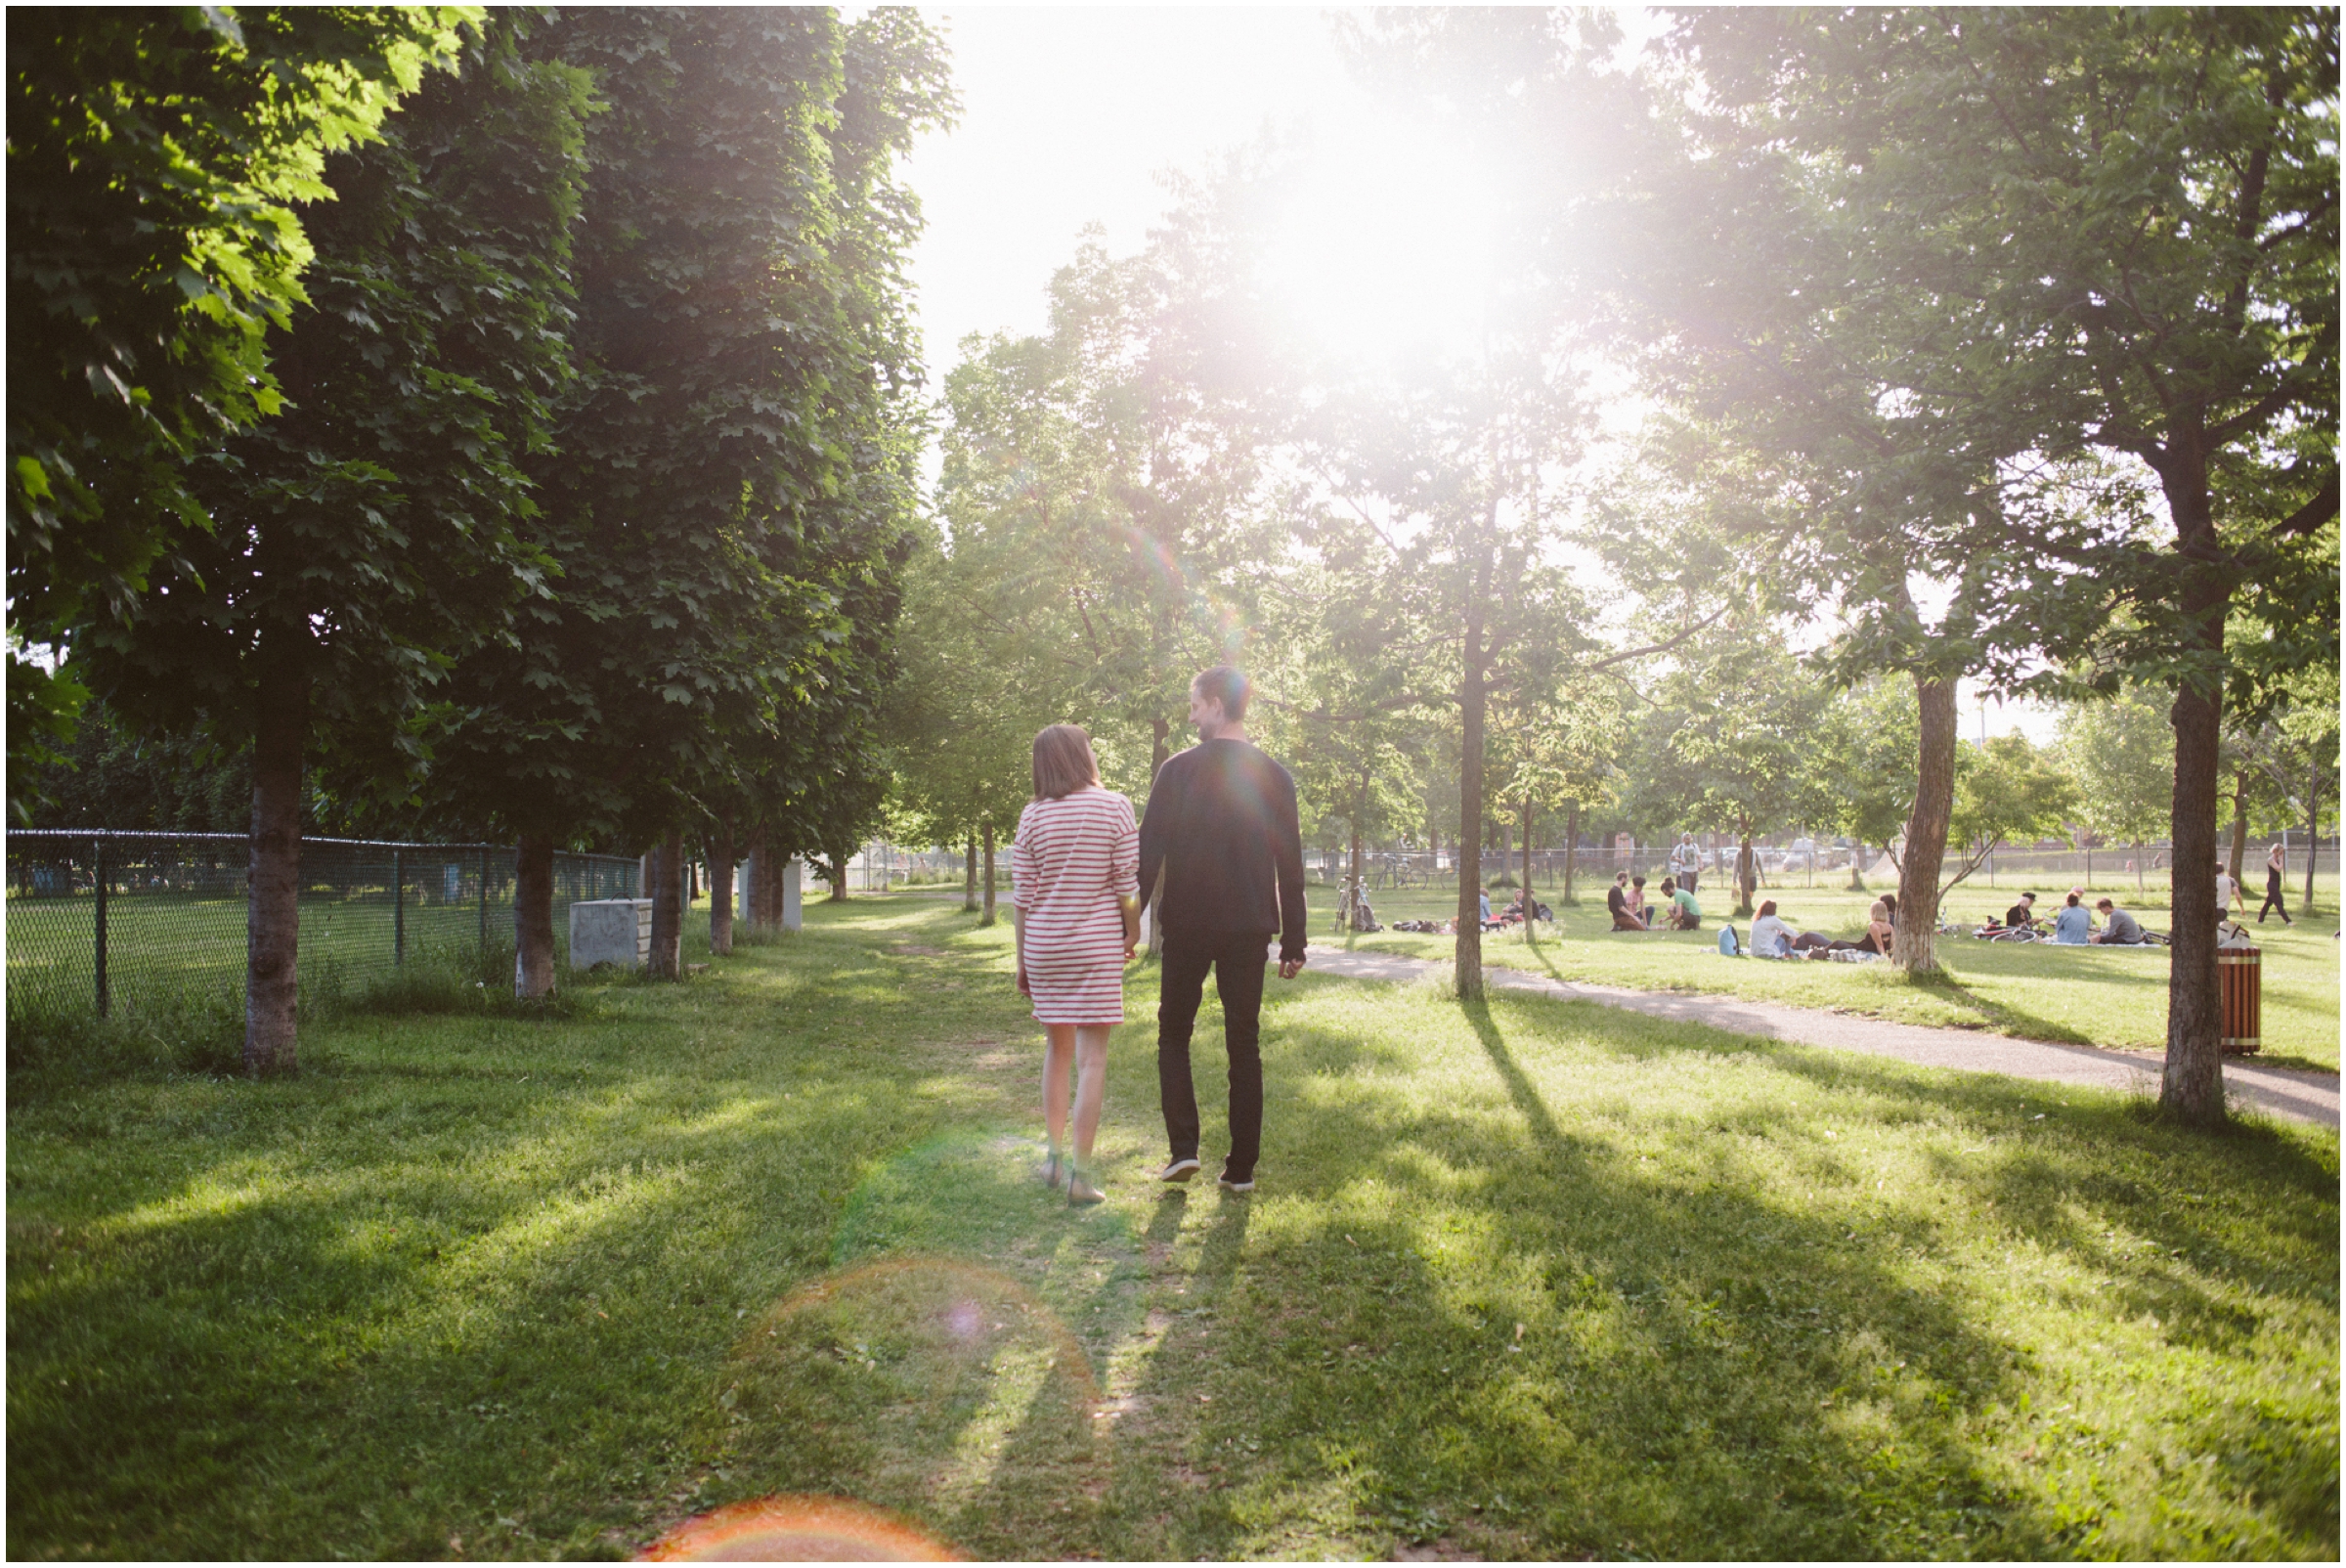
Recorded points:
108,922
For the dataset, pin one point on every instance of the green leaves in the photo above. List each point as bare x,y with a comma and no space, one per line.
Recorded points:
154,160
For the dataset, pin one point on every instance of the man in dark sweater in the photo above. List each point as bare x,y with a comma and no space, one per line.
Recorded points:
1221,825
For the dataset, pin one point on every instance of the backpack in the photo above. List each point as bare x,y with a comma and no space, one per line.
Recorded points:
1728,947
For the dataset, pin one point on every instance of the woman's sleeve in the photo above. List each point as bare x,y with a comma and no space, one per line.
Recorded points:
1022,862
1124,859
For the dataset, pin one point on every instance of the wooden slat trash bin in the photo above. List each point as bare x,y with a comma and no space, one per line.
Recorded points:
2239,988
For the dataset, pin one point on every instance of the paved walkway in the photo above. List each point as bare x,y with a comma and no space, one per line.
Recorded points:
2298,1095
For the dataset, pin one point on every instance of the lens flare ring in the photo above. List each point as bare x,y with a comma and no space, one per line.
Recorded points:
797,1529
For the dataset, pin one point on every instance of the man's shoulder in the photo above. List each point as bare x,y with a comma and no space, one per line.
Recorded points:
1243,754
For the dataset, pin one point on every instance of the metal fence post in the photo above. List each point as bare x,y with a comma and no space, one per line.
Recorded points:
484,906
399,912
97,879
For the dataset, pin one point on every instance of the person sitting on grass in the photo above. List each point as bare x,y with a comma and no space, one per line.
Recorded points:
1770,936
1637,910
2023,915
1685,913
1879,933
2072,926
1617,904
2118,928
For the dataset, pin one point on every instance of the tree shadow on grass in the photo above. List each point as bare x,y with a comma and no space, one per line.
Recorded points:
1774,1361
512,1311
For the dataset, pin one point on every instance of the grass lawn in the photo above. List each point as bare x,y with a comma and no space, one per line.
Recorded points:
2114,996
1534,1278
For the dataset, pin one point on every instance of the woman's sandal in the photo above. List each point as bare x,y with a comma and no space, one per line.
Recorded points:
1055,1171
1080,1193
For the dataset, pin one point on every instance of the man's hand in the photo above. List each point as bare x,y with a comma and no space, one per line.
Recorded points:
1289,968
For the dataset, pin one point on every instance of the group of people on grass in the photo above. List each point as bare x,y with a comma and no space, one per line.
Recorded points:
2072,925
1678,909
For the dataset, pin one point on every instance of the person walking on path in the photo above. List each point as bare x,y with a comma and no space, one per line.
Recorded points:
1685,862
2276,866
1076,899
1221,825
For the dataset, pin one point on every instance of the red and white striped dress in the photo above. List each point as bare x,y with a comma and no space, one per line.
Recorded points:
1073,863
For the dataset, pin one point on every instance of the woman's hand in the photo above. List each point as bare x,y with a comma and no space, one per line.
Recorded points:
1027,991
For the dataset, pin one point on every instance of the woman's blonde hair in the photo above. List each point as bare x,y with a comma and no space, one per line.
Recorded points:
1062,762
1880,913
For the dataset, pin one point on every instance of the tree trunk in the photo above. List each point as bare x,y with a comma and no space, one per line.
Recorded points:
1472,694
721,891
987,917
2192,1084
840,854
1572,846
1744,882
1915,949
534,917
1527,859
2313,832
1360,807
667,908
271,986
2239,824
968,875
1159,752
2192,1087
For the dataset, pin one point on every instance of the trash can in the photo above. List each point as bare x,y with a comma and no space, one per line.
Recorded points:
2240,985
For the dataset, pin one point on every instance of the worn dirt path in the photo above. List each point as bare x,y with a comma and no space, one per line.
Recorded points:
2293,1093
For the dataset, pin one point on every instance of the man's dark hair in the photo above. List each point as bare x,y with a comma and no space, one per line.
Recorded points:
1228,685
2029,897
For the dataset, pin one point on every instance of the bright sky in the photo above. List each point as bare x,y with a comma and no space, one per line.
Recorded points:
1071,116
1068,118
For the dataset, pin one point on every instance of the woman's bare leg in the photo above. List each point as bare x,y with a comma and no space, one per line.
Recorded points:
1090,1043
1058,1057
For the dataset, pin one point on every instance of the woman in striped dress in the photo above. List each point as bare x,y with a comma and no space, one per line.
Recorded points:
1075,872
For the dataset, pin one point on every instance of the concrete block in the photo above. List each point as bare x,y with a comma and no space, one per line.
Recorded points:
611,931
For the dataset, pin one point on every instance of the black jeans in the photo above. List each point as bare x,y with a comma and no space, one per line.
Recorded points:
2272,900
1238,962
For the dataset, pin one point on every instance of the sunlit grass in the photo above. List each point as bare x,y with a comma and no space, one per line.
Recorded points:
1534,1278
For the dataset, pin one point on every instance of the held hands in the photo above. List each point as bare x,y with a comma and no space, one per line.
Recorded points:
1289,968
